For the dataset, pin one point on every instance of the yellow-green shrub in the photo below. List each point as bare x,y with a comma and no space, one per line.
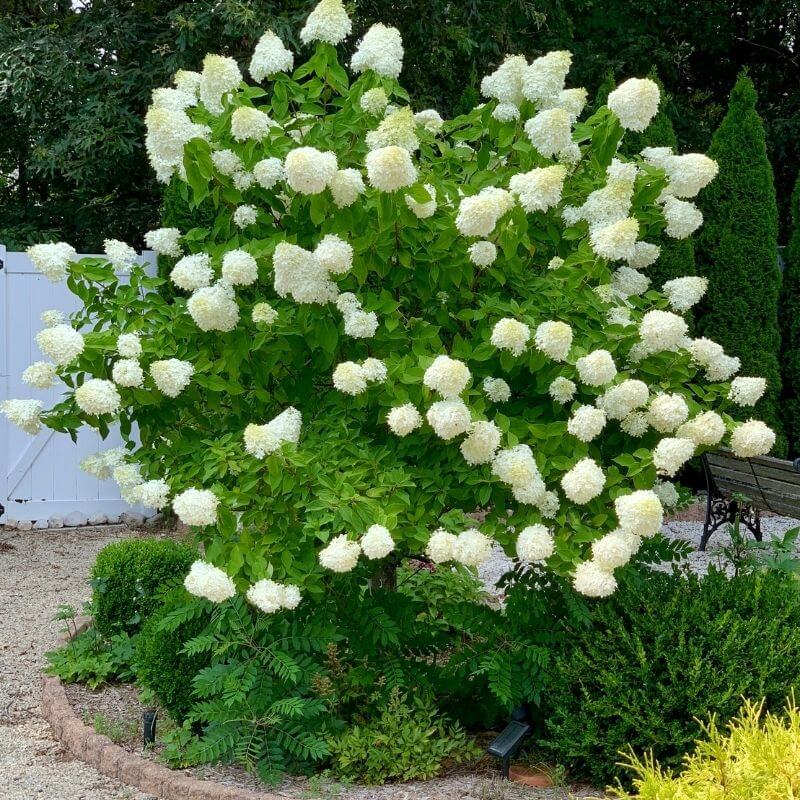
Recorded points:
755,758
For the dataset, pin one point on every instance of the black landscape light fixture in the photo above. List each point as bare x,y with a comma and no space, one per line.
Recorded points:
510,739
149,719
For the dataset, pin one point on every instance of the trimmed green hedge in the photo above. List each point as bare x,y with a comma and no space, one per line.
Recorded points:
790,331
661,652
737,250
160,664
128,579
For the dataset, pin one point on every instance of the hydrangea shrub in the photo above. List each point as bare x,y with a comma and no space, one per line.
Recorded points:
395,320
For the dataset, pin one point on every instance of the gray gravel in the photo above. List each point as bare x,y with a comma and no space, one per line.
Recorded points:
44,570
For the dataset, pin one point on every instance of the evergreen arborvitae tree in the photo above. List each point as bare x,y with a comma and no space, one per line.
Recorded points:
790,331
677,255
737,251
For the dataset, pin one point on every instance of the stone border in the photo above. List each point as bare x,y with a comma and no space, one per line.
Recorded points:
114,761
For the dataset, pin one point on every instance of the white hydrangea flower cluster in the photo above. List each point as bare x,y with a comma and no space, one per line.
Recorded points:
381,50
688,173
705,429
239,268
377,542
53,259
597,368
403,419
220,75
52,317
121,255
165,241
40,375
620,400
481,443
61,343
209,582
127,372
270,596
397,128
425,209
511,335
129,345
496,389
711,356
250,123
168,131
535,544
752,438
25,414
196,507
478,214
97,397
341,554
635,102
540,188
328,22
562,390
747,391
192,272
667,411
263,313
270,57
683,293
308,170
390,168
262,440
554,339
214,308
517,468
171,376
305,276
153,493
482,254
671,453
447,376
268,172
584,481
587,423
102,465
352,378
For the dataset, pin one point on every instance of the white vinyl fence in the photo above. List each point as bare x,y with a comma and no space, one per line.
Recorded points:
39,475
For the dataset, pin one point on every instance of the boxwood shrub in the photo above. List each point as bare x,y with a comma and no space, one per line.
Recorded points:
662,654
128,577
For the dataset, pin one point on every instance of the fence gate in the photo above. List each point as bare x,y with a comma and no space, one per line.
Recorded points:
39,475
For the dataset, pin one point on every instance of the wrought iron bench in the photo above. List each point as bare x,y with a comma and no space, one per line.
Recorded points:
745,487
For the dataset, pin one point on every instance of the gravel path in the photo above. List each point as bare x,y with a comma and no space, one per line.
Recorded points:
42,570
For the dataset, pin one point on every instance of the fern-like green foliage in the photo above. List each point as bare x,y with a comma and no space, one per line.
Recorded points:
664,652
790,331
92,659
405,740
737,251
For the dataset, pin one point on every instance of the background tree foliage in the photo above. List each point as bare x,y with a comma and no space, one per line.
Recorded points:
737,251
75,81
790,330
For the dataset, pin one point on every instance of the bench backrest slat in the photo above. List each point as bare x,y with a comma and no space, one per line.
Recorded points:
767,483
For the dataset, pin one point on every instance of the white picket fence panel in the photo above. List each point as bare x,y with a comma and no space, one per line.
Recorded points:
39,475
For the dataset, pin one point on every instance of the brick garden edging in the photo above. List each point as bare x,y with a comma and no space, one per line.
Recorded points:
115,762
